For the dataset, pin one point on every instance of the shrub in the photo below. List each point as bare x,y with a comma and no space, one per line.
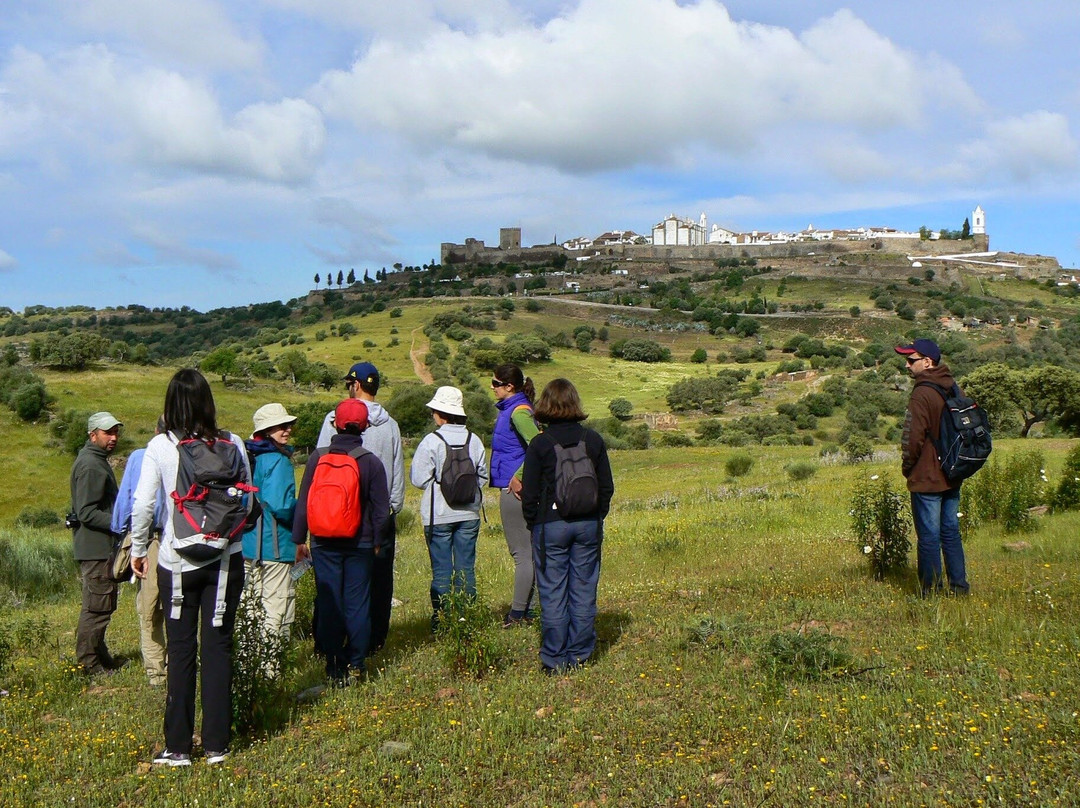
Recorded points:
640,350
739,464
1067,495
858,448
802,470
259,700
675,439
464,633
1005,491
699,356
809,655
37,518
879,522
70,429
620,408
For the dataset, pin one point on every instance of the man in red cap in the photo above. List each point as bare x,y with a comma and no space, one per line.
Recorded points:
344,504
934,502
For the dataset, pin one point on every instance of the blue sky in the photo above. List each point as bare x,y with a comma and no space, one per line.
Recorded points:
213,152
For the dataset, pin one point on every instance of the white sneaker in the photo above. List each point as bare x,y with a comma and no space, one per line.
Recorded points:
167,758
213,758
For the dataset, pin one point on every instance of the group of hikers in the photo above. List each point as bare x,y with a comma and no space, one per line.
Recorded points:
211,518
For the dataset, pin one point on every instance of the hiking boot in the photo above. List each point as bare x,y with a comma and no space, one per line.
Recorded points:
99,671
213,758
167,758
514,618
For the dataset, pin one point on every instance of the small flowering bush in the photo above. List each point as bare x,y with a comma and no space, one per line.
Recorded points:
1005,491
259,661
464,633
858,448
1067,495
879,521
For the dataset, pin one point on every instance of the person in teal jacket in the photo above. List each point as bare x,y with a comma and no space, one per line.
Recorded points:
269,551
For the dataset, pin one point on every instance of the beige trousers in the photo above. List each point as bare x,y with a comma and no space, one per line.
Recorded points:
151,617
272,583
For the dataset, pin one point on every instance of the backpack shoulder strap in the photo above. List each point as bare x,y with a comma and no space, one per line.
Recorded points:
941,390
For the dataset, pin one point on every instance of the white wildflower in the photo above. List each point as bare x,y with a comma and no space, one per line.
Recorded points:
959,514
873,477
867,549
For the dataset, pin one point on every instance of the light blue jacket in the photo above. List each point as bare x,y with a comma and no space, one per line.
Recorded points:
272,473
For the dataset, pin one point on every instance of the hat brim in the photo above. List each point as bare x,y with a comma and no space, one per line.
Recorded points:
905,350
442,406
277,422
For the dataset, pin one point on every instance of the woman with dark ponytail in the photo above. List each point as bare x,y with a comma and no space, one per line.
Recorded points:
515,427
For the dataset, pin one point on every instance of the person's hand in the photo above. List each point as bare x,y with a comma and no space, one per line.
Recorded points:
514,487
302,552
138,566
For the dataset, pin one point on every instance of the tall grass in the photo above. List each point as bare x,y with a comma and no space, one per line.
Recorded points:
35,564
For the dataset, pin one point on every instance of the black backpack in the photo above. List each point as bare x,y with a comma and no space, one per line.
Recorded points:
577,489
211,497
963,443
459,480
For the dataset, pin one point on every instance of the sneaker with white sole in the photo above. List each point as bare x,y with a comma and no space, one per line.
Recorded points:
213,758
167,758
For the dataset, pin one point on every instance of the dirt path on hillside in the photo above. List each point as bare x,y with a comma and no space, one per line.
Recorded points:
416,355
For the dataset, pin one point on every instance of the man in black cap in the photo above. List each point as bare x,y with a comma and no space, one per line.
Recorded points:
383,439
93,492
934,502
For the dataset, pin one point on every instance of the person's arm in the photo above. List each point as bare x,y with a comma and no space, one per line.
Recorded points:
328,431
376,497
397,471
121,512
142,509
605,482
523,422
299,525
483,473
532,482
91,485
916,428
277,490
422,470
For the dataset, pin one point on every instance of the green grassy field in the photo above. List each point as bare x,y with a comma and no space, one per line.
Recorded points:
947,702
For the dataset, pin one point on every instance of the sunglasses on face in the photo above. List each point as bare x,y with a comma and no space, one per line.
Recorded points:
911,360
496,383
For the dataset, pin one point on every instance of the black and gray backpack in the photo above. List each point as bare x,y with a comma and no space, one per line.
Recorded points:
577,489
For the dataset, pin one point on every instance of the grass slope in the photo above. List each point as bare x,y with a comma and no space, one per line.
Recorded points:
953,702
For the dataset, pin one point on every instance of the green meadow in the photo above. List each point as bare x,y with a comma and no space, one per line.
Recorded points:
747,656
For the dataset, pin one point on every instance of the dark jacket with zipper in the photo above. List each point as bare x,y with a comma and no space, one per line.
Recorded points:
93,492
922,426
538,483
374,499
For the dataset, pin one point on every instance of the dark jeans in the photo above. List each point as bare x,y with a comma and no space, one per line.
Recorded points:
343,594
566,558
938,529
98,604
199,589
382,587
452,551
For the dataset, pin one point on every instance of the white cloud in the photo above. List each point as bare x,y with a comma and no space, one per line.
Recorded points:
1024,148
7,262
163,117
583,94
407,19
197,32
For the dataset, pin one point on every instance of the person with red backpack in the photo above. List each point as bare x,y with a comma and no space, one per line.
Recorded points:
344,505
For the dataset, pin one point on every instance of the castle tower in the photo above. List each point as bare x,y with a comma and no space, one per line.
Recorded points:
978,221
509,238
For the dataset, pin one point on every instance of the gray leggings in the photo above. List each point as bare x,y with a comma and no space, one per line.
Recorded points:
519,542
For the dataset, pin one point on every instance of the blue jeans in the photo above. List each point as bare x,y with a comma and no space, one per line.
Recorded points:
938,529
452,550
343,595
566,560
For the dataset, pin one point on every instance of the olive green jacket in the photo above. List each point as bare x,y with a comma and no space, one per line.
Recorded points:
93,492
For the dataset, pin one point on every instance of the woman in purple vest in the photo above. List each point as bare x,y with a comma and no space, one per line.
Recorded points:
514,428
